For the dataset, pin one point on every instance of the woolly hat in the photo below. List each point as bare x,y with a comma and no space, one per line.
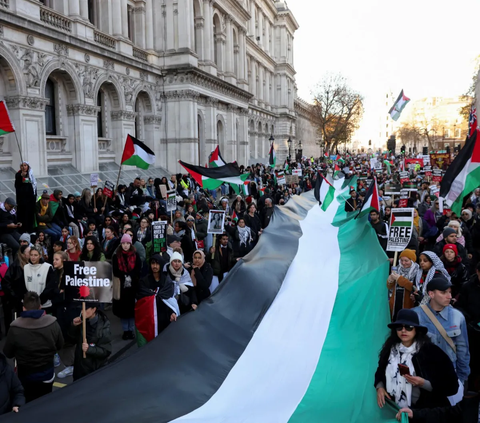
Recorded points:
25,237
410,254
452,247
176,256
448,231
126,238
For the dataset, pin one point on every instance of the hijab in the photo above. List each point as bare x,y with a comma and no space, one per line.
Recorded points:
31,176
202,254
437,266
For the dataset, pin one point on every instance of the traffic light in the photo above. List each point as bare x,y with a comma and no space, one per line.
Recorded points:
391,144
448,149
403,149
425,151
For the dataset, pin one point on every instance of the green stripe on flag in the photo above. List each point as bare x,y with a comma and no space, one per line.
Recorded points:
2,132
400,223
341,389
136,161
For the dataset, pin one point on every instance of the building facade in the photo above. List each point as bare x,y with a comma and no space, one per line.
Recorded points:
181,75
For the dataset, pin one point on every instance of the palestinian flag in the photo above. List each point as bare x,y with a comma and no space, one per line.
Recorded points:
212,178
234,217
6,125
472,121
272,158
397,108
463,175
372,199
326,155
389,166
215,159
136,153
336,170
281,362
324,191
146,322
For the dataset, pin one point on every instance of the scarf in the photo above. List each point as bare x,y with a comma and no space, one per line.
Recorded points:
408,272
194,279
451,266
177,274
244,234
43,210
33,181
416,223
436,267
127,261
397,385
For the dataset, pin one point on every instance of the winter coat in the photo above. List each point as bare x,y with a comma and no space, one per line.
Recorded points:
204,276
13,284
216,262
201,227
469,301
47,218
240,250
254,223
99,339
186,299
438,250
11,390
432,364
6,218
125,306
405,301
458,274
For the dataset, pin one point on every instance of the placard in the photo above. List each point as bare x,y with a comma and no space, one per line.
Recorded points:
404,177
94,180
171,201
403,198
426,159
216,222
108,189
401,228
163,191
88,281
281,178
413,162
437,175
297,172
291,179
428,171
159,237
392,188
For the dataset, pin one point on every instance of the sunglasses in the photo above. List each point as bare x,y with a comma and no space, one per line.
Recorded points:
407,328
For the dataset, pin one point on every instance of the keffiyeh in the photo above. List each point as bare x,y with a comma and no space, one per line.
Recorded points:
397,385
437,266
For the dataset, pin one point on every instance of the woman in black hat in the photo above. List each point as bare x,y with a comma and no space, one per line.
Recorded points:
412,371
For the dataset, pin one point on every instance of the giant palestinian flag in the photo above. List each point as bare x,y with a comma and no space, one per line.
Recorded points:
291,335
215,159
136,153
463,175
212,178
397,108
6,125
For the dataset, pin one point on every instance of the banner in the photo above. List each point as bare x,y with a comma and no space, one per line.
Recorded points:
441,160
392,188
403,198
401,227
281,178
426,159
108,189
412,162
437,175
89,281
159,237
171,201
216,222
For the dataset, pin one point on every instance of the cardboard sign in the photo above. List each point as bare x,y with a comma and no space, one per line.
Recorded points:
401,228
426,159
434,190
281,178
163,191
171,201
216,222
437,175
89,281
94,180
291,179
413,162
108,189
159,236
392,188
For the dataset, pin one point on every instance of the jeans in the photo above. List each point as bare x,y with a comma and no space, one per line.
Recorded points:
224,188
11,240
54,231
128,324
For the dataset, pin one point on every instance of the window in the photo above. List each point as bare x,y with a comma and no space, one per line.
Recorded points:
100,115
130,22
458,133
91,11
50,124
446,134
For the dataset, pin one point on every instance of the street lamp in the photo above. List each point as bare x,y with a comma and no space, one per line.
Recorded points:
300,151
271,139
289,142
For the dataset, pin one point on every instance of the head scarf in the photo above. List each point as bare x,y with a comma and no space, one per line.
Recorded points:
244,234
202,254
33,181
408,273
436,267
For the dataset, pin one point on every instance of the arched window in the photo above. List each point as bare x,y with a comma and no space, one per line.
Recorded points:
217,42
50,123
220,135
100,132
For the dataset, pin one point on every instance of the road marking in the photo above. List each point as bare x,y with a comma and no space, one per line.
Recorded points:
59,385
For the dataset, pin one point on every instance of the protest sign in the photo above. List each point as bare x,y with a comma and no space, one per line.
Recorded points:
216,222
437,175
401,227
428,170
426,159
163,191
94,180
413,162
441,160
291,179
403,198
89,281
159,236
281,178
434,190
392,188
171,201
108,189
404,177
297,172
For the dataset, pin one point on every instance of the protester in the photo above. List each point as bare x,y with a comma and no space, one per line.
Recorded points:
381,228
450,236
9,227
44,216
33,340
202,275
91,250
73,249
455,268
26,194
184,289
243,240
221,258
11,390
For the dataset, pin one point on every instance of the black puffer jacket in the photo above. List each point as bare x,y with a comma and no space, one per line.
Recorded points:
11,390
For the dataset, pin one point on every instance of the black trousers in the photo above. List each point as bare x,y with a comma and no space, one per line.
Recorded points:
34,390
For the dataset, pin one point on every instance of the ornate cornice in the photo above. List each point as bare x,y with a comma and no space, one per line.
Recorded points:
152,119
82,109
181,95
35,103
123,115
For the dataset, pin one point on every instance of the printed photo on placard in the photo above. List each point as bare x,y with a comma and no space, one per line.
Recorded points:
216,222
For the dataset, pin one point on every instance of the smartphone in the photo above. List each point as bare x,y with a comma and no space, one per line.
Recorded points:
404,370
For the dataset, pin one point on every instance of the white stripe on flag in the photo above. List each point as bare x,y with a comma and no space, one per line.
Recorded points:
147,158
276,368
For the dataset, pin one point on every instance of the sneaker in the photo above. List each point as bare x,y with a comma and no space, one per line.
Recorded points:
68,371
56,360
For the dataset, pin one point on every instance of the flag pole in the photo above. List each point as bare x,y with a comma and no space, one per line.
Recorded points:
118,177
18,145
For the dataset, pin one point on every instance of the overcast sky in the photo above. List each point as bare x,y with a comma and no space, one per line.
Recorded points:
426,47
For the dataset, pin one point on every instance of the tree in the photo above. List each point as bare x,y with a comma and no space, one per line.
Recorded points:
337,110
420,128
470,96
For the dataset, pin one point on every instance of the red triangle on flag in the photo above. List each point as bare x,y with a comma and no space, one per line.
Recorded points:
392,219
214,155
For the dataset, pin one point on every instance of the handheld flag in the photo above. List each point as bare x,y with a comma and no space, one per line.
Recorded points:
6,125
389,166
462,176
234,217
212,178
136,153
324,191
215,159
398,107
272,159
372,200
472,121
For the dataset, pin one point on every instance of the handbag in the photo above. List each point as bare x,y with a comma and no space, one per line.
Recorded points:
116,287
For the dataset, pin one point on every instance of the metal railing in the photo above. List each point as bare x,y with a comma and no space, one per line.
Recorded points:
140,54
54,19
104,39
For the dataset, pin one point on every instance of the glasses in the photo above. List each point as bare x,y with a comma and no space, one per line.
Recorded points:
408,328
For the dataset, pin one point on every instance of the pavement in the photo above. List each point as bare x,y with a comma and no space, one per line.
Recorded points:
120,348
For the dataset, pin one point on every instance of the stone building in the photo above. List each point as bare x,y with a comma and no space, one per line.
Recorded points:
181,75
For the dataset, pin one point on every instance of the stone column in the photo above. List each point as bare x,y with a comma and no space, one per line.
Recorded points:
152,133
199,39
84,119
242,137
149,25
28,117
252,23
117,20
253,88
123,123
229,74
158,27
185,19
210,124
208,43
84,9
123,6
74,8
139,26
230,135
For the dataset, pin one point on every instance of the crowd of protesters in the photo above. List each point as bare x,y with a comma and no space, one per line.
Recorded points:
438,274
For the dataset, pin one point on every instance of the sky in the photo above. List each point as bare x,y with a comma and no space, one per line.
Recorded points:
426,47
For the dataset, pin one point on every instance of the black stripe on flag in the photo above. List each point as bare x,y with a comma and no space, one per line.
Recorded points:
180,370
